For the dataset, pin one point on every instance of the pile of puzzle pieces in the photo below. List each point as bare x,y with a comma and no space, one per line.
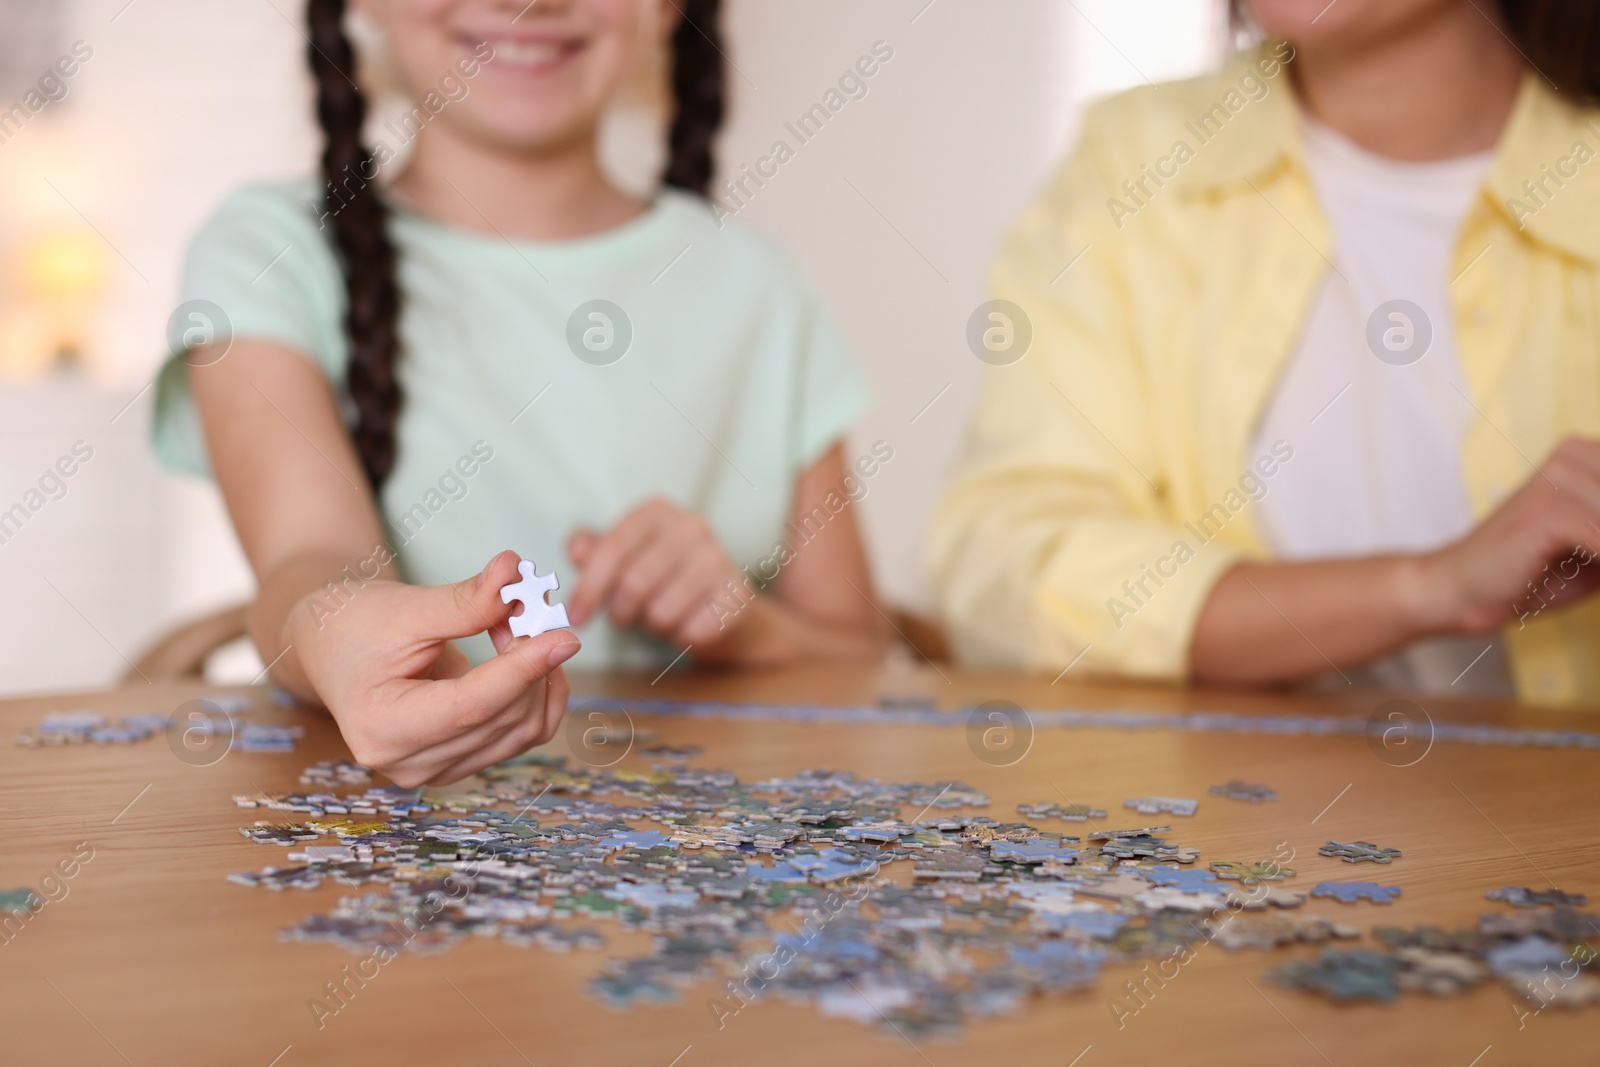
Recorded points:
87,727
883,902
80,727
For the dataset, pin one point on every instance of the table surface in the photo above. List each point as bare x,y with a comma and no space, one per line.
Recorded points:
153,957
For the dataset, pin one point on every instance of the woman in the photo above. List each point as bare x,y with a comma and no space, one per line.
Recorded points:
1321,398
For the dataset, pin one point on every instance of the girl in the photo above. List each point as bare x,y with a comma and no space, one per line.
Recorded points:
1333,303
501,348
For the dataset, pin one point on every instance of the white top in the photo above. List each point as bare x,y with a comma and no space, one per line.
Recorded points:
1372,398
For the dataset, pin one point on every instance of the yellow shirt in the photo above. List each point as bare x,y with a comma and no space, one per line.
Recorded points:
1166,274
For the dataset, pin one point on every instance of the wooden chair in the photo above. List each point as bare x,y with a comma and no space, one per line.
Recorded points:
183,652
925,635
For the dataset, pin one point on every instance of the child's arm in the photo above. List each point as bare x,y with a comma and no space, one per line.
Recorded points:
377,652
661,568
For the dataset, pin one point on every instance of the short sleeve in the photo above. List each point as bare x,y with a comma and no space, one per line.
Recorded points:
833,391
260,268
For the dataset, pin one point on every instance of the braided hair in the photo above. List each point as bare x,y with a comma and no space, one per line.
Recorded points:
360,219
699,90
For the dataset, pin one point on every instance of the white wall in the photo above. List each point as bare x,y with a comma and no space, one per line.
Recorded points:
894,209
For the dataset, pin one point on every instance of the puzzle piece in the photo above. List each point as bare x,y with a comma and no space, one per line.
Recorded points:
1355,974
638,839
1186,881
1523,897
1067,812
1157,805
882,833
1250,873
832,865
949,865
1143,831
1032,852
1440,973
13,900
1357,851
1563,924
1124,884
1260,895
653,896
1234,789
1171,898
1350,892
1433,938
1578,992
1234,934
1057,965
538,615
1052,898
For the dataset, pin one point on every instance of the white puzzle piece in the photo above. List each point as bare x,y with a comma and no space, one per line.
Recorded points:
538,616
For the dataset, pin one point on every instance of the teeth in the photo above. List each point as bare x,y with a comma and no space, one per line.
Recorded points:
525,54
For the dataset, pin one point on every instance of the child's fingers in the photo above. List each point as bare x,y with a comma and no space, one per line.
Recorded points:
472,721
581,545
464,608
656,565
426,762
537,727
606,561
499,682
689,591
500,634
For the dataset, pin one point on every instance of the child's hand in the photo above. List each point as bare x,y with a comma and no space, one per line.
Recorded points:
407,700
660,567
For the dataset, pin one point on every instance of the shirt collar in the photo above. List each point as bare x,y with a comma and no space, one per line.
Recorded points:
1547,140
1263,135
1547,170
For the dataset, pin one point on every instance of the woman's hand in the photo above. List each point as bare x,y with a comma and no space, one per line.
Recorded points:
1351,611
662,568
406,699
1536,550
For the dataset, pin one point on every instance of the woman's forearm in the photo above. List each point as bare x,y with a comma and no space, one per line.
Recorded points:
1283,622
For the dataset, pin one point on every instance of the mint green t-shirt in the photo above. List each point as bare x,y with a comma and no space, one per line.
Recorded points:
732,380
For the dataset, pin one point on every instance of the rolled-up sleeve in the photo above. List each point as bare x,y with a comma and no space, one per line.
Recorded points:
1051,544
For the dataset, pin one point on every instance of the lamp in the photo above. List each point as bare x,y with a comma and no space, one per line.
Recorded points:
60,273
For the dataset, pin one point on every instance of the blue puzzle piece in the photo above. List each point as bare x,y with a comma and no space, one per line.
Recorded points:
637,839
1058,965
652,896
836,864
826,946
1032,852
1056,953
1187,881
1350,892
780,873
1099,924
1530,955
1045,891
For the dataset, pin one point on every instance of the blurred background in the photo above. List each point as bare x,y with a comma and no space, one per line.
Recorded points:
894,209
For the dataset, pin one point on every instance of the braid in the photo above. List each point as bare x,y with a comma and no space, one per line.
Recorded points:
699,91
360,230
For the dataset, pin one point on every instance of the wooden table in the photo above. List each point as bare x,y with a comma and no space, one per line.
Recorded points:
151,957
